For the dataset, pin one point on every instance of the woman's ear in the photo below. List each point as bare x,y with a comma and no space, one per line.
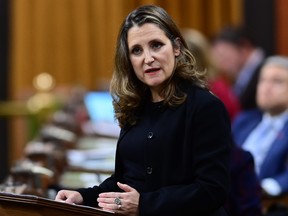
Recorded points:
177,46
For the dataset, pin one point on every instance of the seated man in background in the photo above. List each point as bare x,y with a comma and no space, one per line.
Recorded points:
200,46
264,131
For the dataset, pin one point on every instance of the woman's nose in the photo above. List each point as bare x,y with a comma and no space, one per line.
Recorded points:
148,58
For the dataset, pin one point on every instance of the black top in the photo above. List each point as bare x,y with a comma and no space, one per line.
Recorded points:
137,141
176,157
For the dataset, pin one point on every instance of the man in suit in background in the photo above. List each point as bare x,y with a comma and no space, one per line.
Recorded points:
237,55
264,131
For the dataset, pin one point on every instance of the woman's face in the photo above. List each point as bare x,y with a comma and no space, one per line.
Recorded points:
152,55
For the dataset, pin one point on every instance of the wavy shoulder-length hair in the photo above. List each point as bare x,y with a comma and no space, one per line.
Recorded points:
127,90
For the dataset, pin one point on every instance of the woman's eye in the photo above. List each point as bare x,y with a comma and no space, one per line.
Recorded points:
157,45
136,51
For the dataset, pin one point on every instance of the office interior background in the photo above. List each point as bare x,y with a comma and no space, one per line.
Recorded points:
74,41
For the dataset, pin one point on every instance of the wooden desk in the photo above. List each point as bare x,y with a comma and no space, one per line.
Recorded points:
92,155
28,205
269,201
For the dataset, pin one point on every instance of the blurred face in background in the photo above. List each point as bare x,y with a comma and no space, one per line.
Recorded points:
272,89
228,59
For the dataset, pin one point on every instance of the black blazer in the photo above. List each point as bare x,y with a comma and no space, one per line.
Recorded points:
187,160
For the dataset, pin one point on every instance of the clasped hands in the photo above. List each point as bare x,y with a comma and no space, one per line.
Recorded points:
125,203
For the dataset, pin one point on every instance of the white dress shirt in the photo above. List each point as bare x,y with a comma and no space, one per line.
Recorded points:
260,141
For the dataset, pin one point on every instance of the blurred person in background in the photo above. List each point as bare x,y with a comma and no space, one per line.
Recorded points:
245,192
200,47
264,131
237,55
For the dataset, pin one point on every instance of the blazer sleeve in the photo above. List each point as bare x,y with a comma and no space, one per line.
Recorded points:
90,194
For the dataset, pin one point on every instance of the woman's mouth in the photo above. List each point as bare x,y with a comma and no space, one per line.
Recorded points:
151,70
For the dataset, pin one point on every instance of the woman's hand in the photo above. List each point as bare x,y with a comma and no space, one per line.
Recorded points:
69,196
125,203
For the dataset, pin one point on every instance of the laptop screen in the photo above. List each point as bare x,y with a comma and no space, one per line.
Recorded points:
100,110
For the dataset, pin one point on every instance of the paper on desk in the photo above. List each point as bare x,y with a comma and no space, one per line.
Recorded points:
82,155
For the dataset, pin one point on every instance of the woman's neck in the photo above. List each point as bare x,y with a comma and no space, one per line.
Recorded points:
156,97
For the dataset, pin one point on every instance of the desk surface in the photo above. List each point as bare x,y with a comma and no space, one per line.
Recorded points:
29,205
90,162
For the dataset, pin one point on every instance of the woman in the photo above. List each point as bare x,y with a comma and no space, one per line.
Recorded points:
173,150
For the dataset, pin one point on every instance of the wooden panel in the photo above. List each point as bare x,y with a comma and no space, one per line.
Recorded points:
61,48
21,38
281,34
75,40
191,12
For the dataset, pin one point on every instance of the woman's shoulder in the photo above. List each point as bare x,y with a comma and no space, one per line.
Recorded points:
202,95
203,102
